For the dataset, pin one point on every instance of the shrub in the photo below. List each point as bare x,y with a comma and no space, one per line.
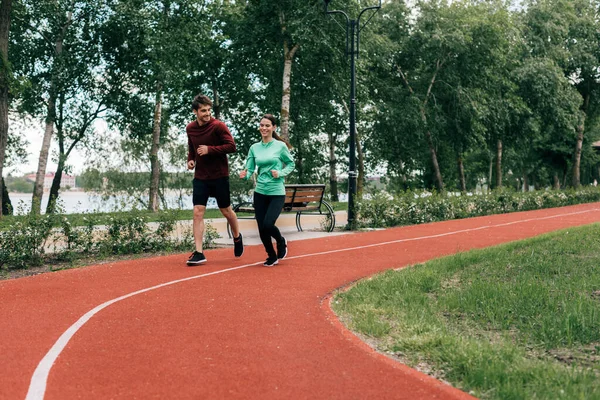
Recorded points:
28,240
408,208
24,244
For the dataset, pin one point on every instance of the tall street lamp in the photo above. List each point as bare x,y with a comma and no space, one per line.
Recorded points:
353,29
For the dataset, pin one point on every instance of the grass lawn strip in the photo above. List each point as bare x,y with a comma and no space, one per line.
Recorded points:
516,321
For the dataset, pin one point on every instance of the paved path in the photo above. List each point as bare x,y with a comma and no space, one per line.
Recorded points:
231,329
286,224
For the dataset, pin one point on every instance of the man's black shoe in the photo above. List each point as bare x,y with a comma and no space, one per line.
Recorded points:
196,258
238,246
271,261
282,249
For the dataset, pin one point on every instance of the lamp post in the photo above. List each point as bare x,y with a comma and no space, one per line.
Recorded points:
353,29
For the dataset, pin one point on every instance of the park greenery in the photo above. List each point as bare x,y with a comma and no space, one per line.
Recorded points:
516,321
452,95
34,239
70,240
383,210
465,108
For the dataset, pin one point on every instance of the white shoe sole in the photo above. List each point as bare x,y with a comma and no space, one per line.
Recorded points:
270,265
193,263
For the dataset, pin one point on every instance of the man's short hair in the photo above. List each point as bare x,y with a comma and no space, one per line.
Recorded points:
201,100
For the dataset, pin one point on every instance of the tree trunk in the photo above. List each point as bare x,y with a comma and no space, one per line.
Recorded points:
60,134
556,181
5,77
576,180
285,99
54,189
333,189
38,187
461,175
64,155
155,166
525,182
7,208
436,167
499,164
360,182
300,163
490,173
434,161
216,100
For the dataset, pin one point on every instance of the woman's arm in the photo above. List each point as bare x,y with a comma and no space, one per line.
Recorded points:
250,166
288,161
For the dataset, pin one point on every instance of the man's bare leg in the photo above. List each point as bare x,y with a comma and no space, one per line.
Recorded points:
238,243
198,226
229,214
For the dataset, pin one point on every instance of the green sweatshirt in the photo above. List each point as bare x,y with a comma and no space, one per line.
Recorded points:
266,157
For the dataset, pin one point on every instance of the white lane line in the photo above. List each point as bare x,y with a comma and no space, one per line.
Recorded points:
442,234
39,379
37,387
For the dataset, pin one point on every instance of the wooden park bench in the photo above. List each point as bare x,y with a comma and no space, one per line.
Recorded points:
304,199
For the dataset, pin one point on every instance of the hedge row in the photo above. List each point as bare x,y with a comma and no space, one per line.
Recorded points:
383,210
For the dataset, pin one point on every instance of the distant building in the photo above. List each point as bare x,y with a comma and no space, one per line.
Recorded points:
67,181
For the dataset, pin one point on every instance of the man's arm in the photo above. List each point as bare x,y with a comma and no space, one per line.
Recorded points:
191,152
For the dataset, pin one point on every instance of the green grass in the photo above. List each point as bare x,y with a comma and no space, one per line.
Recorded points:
517,321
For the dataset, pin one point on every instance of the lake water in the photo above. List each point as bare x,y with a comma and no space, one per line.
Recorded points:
84,202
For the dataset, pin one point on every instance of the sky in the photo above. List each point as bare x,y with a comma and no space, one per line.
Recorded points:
34,134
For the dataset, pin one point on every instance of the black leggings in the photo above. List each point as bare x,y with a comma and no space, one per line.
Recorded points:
267,210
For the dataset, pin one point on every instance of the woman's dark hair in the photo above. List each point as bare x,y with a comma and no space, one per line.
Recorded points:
273,120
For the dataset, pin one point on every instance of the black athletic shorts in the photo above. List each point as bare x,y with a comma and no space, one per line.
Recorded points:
217,188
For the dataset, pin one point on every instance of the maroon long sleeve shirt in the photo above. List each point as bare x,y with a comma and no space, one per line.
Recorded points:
217,137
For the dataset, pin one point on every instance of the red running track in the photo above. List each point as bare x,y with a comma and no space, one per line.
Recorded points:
231,329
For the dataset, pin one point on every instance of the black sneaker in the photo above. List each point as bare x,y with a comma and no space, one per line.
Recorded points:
196,258
282,249
271,261
238,246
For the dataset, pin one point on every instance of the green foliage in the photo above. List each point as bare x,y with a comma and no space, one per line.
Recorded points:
127,234
24,244
35,239
408,208
454,78
70,242
19,184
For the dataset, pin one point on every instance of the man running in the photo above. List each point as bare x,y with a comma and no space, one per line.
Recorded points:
209,142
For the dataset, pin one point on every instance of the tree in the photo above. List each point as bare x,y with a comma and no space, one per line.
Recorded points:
5,78
147,42
15,155
51,22
55,52
566,32
286,25
421,52
555,104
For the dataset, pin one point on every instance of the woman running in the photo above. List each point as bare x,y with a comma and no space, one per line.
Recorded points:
272,159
